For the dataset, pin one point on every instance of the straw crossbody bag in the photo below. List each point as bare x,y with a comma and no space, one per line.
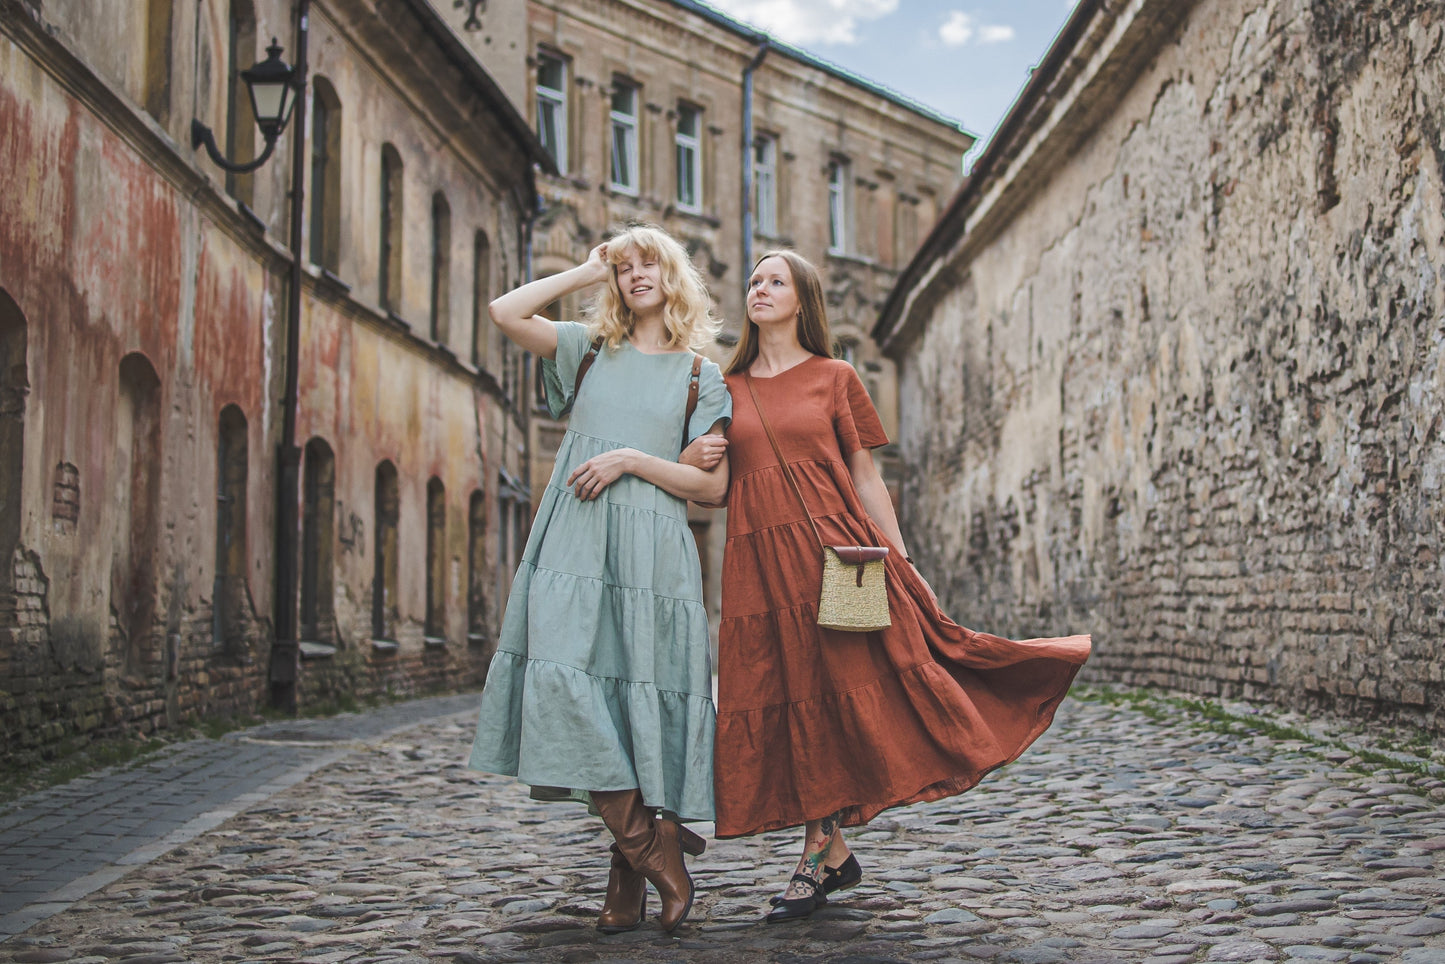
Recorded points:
855,588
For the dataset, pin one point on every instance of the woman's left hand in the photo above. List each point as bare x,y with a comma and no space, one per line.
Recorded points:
597,473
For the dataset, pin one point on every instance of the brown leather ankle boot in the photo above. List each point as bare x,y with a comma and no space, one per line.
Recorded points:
651,847
626,903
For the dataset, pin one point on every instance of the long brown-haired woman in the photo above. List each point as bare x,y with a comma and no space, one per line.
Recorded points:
825,728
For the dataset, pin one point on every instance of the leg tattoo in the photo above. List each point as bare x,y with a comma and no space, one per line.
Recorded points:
815,851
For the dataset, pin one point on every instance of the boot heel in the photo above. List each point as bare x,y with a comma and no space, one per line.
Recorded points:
692,844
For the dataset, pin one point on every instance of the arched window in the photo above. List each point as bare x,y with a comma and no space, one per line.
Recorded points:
318,537
156,85
228,623
325,176
436,560
477,568
383,580
481,296
441,267
390,274
14,386
240,123
137,470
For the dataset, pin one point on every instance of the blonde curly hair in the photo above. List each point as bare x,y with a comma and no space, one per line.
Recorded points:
687,307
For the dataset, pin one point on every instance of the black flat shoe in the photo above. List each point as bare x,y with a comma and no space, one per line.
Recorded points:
842,877
798,907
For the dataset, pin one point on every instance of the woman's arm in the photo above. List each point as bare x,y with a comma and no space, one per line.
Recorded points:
515,312
684,481
874,495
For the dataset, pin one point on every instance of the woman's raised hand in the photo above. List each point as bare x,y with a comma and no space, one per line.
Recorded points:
597,265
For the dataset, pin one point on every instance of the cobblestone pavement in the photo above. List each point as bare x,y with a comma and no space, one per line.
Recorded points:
1133,831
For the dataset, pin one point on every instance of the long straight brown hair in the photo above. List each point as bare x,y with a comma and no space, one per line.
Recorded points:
812,319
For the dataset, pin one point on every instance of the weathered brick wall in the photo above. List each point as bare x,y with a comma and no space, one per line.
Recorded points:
1186,391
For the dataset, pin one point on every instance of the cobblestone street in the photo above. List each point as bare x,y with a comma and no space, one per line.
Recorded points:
1135,830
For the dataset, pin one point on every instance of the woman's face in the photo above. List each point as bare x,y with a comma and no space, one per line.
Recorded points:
639,278
772,299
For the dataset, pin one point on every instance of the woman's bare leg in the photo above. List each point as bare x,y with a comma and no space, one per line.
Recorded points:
817,843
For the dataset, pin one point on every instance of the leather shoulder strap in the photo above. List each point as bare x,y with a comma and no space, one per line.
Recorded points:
691,396
585,364
787,469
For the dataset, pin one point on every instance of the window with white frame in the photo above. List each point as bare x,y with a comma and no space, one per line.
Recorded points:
837,206
765,185
552,107
624,138
689,158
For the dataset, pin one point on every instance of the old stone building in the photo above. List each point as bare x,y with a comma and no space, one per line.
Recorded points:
144,310
667,111
1172,360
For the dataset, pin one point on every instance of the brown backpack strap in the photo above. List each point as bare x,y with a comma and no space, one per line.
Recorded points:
585,364
691,396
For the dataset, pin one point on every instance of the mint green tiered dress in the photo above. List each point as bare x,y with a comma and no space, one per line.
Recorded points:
602,679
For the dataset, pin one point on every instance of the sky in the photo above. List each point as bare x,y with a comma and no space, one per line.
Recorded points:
966,59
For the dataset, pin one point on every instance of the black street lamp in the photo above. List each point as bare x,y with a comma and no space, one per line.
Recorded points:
271,84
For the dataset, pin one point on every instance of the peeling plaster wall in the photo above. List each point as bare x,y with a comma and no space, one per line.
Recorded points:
1187,394
117,245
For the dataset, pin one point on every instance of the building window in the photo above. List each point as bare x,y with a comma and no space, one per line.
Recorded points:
156,92
229,589
477,568
318,536
436,559
441,268
14,387
137,471
552,107
689,158
481,295
624,138
383,579
389,274
837,207
325,176
240,125
765,185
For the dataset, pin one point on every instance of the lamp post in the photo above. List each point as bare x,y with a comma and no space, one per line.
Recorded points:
274,89
271,86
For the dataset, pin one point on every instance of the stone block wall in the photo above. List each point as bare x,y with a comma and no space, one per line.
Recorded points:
1180,380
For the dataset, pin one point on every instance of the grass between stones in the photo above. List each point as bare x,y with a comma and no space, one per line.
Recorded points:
1415,751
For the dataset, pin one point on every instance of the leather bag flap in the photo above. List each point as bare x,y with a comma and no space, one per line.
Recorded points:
859,555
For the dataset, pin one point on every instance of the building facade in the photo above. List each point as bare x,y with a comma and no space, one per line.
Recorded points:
667,111
143,318
1171,362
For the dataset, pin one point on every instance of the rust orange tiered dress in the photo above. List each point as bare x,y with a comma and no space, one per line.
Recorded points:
813,721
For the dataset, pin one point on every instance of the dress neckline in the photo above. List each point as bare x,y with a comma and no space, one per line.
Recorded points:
790,368
629,344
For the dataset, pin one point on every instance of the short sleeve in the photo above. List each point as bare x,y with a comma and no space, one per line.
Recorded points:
714,402
855,420
560,375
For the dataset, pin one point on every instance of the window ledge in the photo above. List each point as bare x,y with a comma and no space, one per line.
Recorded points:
384,647
692,214
476,639
434,642
313,650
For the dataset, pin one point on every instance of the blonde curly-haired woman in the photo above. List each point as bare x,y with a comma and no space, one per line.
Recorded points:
601,687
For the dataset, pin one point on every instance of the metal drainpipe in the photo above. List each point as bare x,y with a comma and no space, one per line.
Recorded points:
753,65
285,650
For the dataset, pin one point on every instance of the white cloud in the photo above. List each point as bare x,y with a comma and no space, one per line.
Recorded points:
961,28
957,30
809,21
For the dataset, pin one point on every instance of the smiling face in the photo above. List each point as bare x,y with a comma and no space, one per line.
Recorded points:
639,279
772,294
